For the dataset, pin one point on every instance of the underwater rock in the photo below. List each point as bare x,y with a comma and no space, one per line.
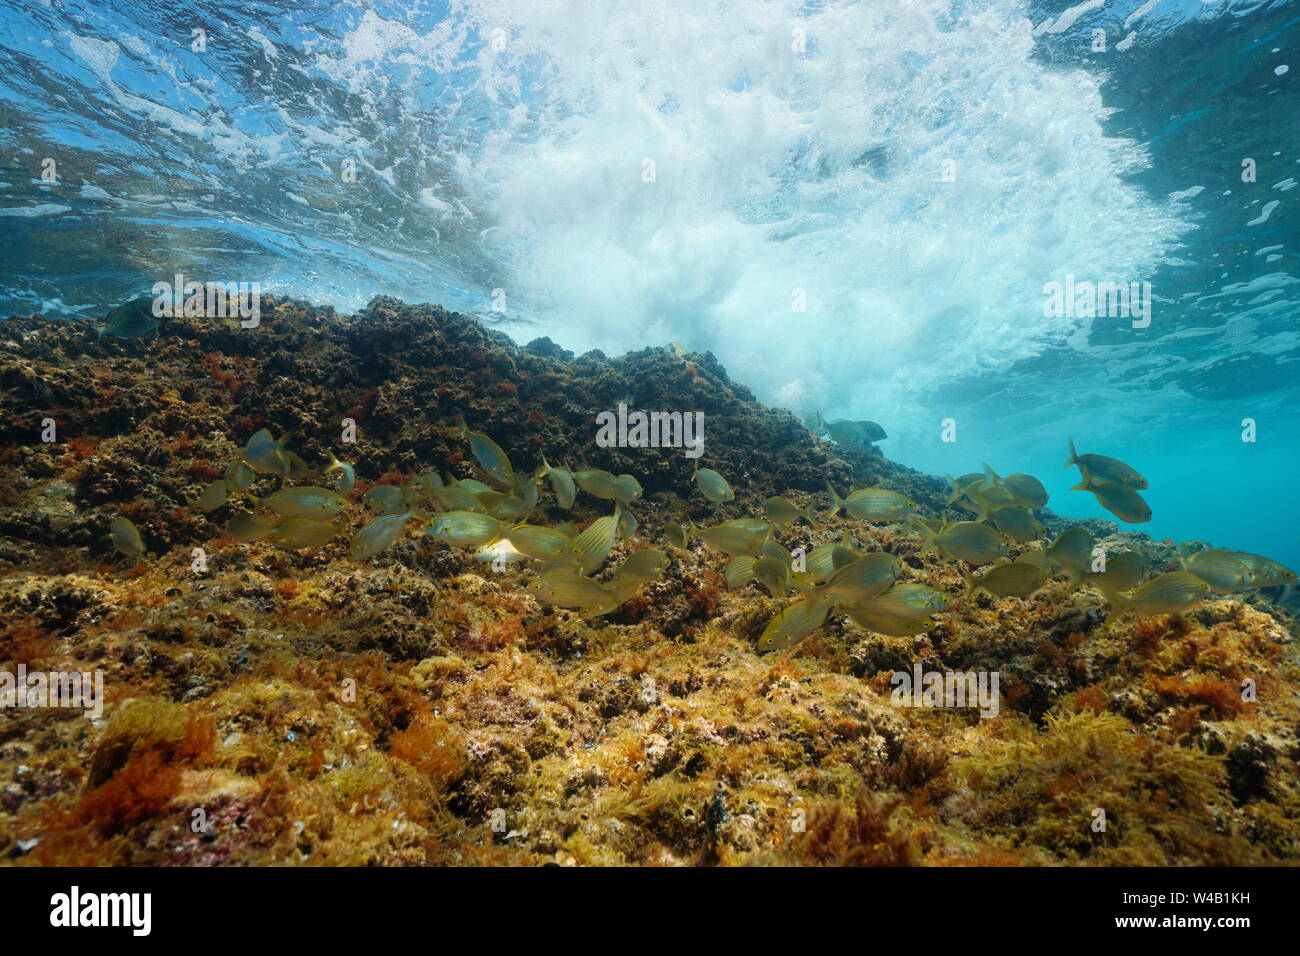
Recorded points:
422,707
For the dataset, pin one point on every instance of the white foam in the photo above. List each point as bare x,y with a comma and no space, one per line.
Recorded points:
1265,213
777,170
28,212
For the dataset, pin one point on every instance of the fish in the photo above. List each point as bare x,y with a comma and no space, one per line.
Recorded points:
1222,570
593,545
1265,572
750,524
906,600
458,498
1018,524
211,498
239,476
298,469
265,455
1072,552
963,486
713,486
735,537
514,505
569,589
543,544
1168,593
423,487
1040,558
642,566
619,590
390,499
1121,500
793,624
1123,573
506,505
861,580
598,483
968,541
782,513
824,560
627,489
131,320
773,574
774,549
465,529
247,528
1102,468
472,486
989,499
873,504
126,538
1027,490
675,535
561,483
1008,579
870,619
495,463
377,535
304,501
500,550
740,570
348,479
627,525
845,431
302,532
992,480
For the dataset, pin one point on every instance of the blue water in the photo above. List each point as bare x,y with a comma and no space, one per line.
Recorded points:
626,174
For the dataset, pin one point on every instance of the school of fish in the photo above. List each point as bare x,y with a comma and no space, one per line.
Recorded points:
489,516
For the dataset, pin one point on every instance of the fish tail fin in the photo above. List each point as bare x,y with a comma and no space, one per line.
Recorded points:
809,591
546,468
953,488
334,462
836,503
991,477
1074,578
1118,608
1074,455
1108,592
970,582
929,537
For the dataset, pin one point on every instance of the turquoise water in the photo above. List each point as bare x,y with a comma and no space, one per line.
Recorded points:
856,206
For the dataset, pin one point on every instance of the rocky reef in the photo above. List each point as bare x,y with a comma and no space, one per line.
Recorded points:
271,706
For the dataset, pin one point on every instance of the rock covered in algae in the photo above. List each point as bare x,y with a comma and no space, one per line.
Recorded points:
423,708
